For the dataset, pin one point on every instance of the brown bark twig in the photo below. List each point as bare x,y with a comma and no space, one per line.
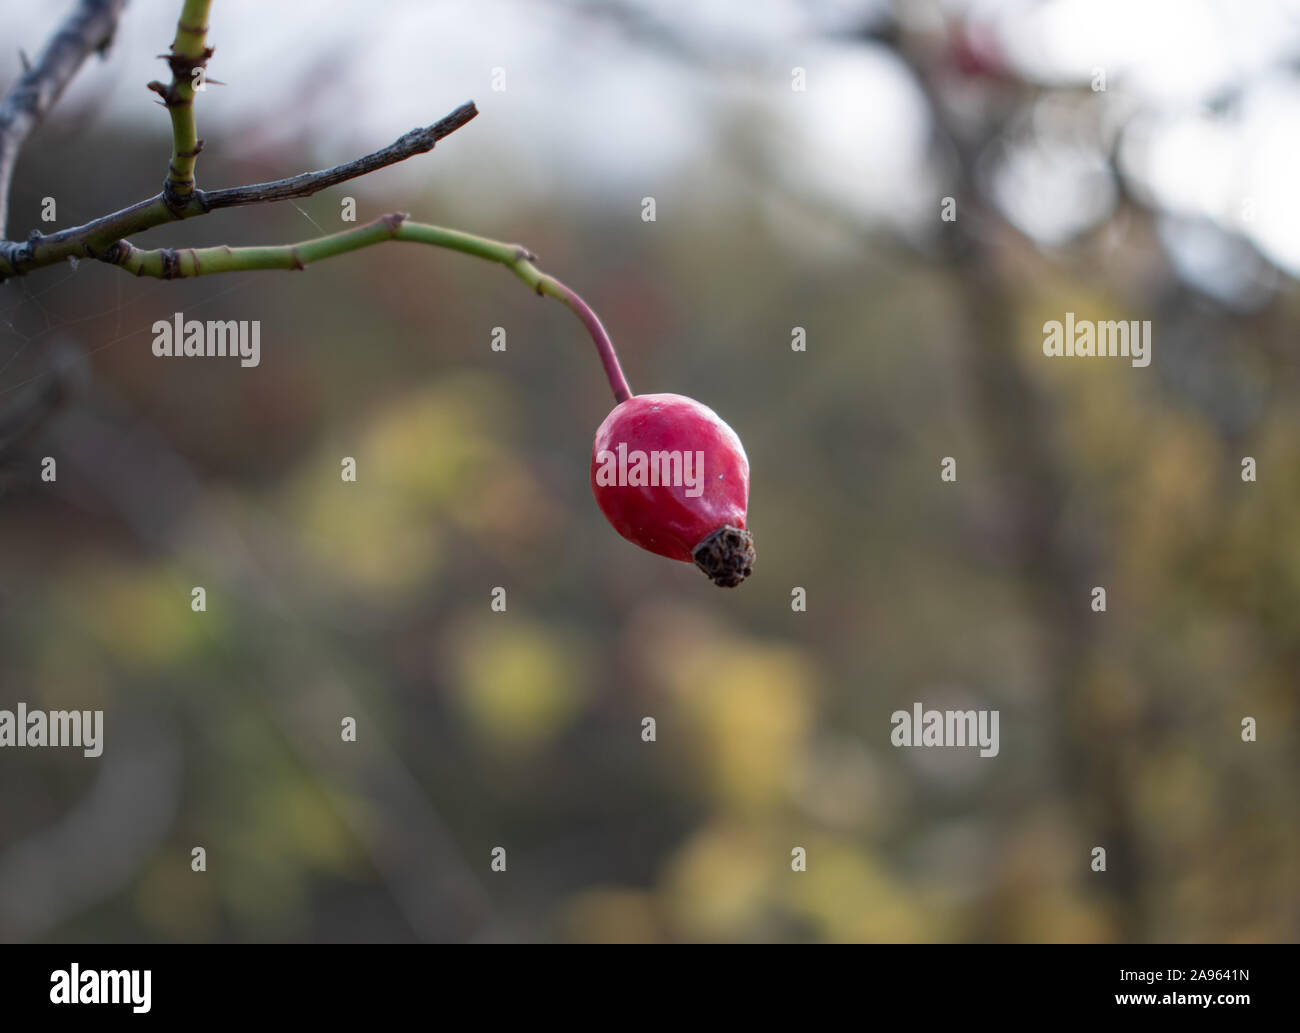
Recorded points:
89,28
417,141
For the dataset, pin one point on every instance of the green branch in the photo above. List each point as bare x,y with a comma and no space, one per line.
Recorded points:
184,263
189,53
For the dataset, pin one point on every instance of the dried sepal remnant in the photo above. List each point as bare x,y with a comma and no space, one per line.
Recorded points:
726,556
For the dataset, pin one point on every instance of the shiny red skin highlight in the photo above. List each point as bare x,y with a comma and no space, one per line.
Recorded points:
663,518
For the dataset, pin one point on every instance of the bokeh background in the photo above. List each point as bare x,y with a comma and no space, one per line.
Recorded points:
1170,196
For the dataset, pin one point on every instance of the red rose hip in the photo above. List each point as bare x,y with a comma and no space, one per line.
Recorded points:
673,478
666,471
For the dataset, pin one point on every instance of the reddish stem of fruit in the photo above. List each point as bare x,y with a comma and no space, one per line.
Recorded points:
604,346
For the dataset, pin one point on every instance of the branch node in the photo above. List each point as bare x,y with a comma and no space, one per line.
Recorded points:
183,66
171,262
175,201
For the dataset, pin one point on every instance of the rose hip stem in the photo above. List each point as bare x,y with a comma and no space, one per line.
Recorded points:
604,346
519,260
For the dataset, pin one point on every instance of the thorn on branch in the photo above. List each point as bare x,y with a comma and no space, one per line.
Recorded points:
183,67
168,94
